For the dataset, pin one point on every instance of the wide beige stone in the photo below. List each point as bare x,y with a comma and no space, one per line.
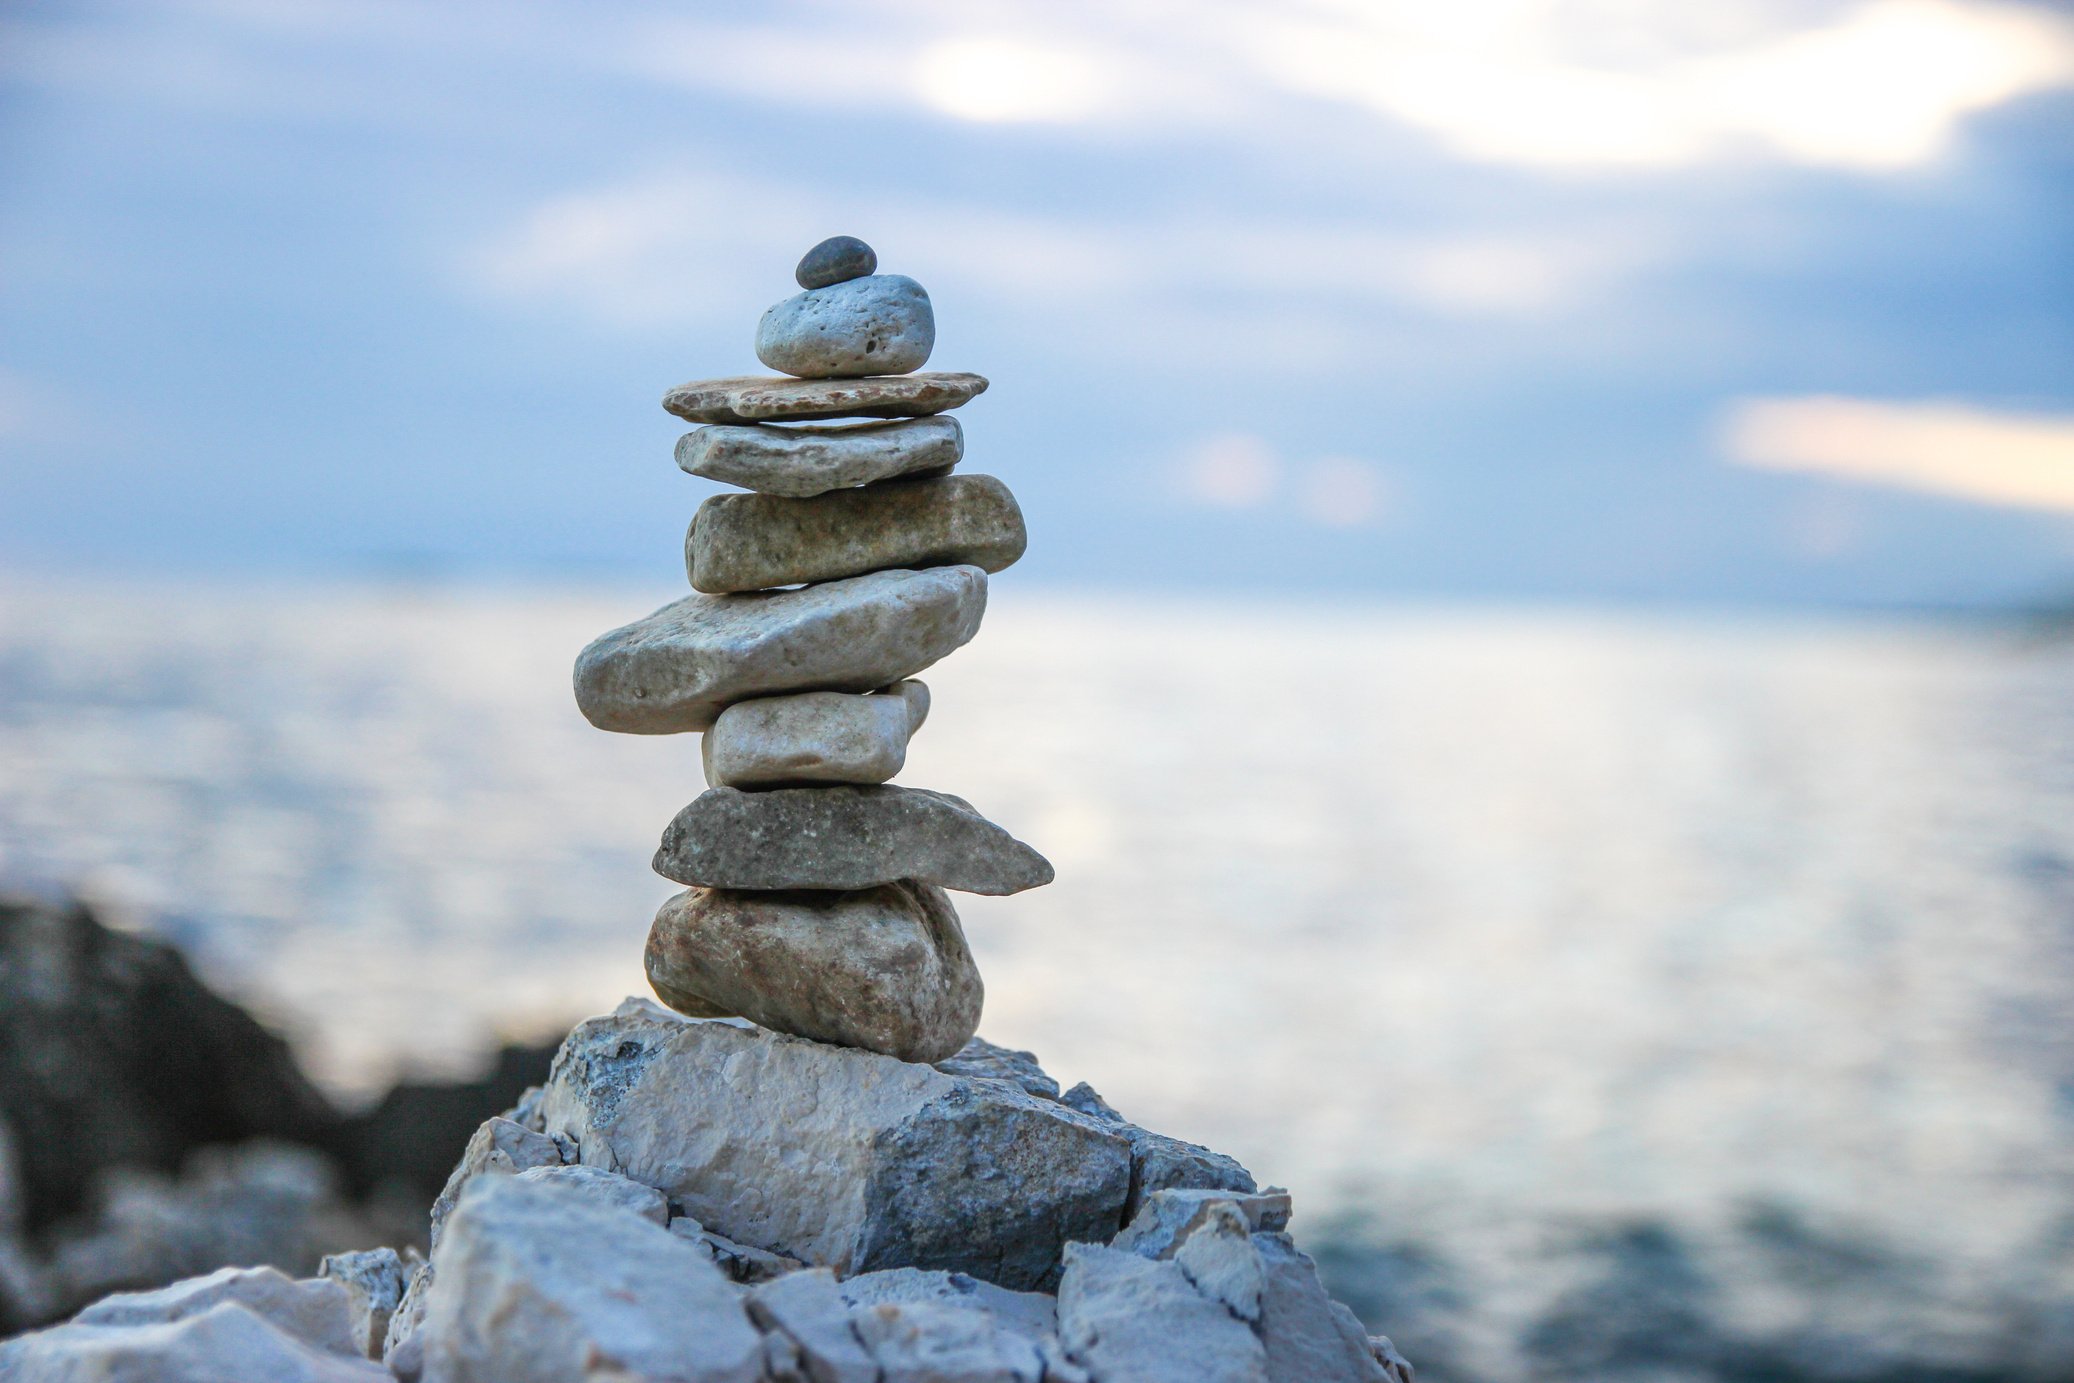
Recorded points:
806,459
751,542
886,969
679,668
813,737
843,837
769,398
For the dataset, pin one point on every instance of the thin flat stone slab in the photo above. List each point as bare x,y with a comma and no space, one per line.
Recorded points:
886,969
843,837
812,737
770,398
752,542
838,1157
806,459
679,668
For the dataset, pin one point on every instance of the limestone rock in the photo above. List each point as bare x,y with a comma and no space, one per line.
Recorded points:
1219,1257
883,968
935,1342
402,1348
808,1309
1310,1338
1159,1162
835,1156
499,1148
1167,1217
805,460
539,1283
809,737
740,1262
834,260
374,1281
983,1059
763,399
751,542
606,1188
228,1343
843,837
679,668
315,1311
878,324
1128,1319
1396,1368
1034,1314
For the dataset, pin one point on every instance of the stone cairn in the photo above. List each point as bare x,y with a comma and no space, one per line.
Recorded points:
816,904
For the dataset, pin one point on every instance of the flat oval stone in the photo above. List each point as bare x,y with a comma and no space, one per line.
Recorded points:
811,737
843,837
761,398
679,668
752,542
835,260
806,460
878,325
886,968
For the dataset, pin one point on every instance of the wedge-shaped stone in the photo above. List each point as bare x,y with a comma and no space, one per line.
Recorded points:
807,460
838,1157
879,324
750,542
228,1343
886,968
813,737
773,398
538,1283
315,1310
677,669
843,837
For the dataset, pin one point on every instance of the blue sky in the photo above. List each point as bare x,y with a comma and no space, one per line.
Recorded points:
1665,299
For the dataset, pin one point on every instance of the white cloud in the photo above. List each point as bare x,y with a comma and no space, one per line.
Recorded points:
999,79
1232,471
1241,471
1344,492
2020,460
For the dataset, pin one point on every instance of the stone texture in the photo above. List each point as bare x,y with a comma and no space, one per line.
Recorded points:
679,668
835,1156
981,1058
315,1311
808,1308
402,1348
763,399
1034,1314
605,1188
884,968
1128,1319
1219,1257
499,1147
228,1343
374,1282
834,260
740,1262
1159,1162
1167,1217
539,1283
843,837
809,737
880,324
805,460
1310,1338
752,542
935,1342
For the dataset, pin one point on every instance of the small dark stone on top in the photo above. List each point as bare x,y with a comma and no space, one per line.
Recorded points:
837,259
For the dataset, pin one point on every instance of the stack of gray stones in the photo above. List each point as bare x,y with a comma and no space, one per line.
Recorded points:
816,904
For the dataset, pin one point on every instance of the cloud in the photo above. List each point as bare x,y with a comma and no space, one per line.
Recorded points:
1242,472
2018,460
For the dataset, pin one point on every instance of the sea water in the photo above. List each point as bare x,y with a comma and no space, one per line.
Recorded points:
1634,994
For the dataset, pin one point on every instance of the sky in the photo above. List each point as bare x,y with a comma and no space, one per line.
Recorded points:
1745,301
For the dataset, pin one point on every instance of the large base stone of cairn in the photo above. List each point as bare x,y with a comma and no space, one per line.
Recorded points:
886,968
764,399
843,837
806,460
752,542
680,667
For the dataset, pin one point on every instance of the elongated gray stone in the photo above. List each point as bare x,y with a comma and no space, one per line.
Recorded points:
805,459
763,399
880,324
751,542
810,737
843,837
838,1157
886,969
679,668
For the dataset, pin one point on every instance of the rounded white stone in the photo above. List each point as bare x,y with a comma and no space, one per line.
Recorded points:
881,324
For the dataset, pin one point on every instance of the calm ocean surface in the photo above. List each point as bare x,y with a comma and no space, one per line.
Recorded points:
1714,976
